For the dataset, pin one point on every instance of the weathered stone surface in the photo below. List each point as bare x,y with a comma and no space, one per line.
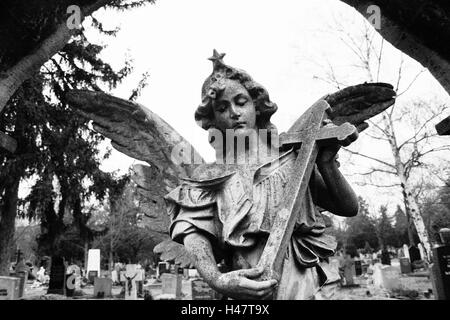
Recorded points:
7,143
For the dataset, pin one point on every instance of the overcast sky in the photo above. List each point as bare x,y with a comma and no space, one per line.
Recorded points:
283,45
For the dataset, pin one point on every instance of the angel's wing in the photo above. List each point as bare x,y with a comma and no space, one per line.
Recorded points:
356,104
141,134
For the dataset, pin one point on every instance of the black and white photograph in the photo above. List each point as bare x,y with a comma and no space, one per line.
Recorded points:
224,155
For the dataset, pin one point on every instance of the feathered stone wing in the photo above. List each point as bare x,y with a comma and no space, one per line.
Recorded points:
359,103
141,134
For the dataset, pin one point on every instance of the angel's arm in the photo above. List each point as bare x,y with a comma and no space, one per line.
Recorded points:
330,189
236,284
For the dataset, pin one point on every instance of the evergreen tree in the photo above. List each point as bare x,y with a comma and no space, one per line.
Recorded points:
57,151
361,228
385,231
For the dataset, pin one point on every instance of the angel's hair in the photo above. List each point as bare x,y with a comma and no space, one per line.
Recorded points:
214,85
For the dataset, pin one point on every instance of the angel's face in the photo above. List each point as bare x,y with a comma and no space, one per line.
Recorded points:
234,109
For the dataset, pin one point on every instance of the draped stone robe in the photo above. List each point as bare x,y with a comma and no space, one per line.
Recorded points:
235,208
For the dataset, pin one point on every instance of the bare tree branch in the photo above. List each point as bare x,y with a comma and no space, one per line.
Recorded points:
371,158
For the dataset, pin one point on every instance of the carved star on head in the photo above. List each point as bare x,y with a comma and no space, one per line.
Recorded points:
217,57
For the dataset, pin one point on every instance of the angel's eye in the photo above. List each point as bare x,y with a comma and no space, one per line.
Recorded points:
241,101
220,107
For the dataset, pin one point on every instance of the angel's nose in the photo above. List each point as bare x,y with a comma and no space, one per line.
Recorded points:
234,111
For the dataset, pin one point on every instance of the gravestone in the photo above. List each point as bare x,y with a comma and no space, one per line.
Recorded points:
201,290
441,272
358,268
193,273
387,277
349,271
406,251
130,277
9,288
385,258
405,266
414,254
92,275
163,267
102,287
444,235
114,276
172,284
364,268
57,284
93,264
23,277
400,253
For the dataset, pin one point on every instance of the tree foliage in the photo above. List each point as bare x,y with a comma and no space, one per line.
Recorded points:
58,153
361,228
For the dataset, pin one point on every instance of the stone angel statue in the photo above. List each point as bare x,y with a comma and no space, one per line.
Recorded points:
224,212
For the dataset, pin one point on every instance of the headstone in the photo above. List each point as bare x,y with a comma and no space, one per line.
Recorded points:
201,290
385,258
92,275
93,264
441,272
114,276
179,270
9,288
163,267
130,277
102,287
349,270
405,266
23,276
387,277
172,284
193,273
414,254
406,251
57,284
444,235
358,268
364,268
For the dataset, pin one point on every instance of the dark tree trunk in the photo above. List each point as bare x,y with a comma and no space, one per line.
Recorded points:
8,212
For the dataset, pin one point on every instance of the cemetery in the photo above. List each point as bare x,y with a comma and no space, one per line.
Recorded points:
307,159
363,277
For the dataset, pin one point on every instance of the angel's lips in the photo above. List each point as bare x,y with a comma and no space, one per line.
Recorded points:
240,125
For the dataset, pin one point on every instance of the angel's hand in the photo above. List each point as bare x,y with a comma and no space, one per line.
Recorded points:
239,284
328,155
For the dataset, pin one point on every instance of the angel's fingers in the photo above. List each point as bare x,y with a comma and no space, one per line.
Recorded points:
362,126
258,285
251,273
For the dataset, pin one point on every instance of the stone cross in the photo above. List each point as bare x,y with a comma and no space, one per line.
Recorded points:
309,130
130,277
